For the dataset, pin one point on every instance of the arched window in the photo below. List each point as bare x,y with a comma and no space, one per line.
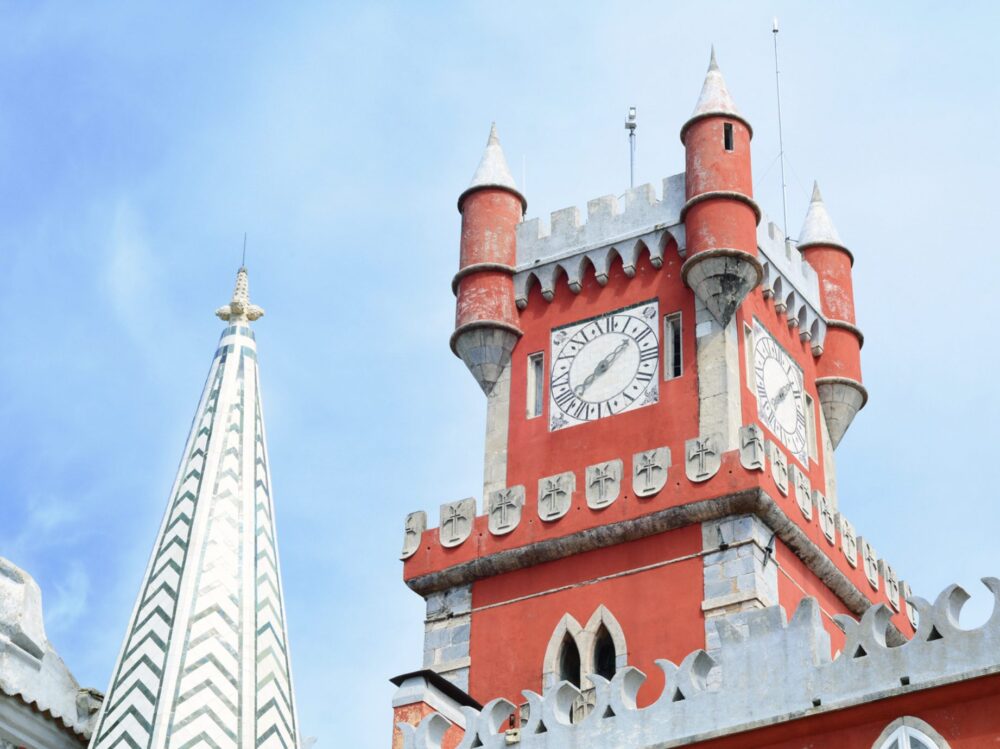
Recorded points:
604,654
569,661
910,733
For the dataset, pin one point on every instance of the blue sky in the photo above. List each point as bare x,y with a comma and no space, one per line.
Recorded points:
138,142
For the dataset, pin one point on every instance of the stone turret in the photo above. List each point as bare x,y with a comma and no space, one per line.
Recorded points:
486,328
838,368
719,214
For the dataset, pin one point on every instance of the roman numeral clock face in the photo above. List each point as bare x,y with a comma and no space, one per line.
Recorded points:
604,365
780,398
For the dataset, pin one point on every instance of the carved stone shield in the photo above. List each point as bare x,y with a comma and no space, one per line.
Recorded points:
604,483
702,457
752,448
779,468
803,491
869,559
827,521
504,509
555,495
848,541
649,471
413,529
457,519
891,583
911,613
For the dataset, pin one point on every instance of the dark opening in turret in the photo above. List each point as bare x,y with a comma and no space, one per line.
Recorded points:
569,662
727,135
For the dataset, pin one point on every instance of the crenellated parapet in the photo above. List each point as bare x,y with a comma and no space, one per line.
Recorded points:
709,696
570,247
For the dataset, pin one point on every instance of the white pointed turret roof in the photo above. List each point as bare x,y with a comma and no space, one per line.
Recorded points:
205,659
818,228
493,171
715,100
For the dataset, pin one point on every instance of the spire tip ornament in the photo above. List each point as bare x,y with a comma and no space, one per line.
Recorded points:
239,308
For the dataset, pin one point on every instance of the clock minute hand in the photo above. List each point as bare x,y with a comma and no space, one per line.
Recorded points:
602,366
782,394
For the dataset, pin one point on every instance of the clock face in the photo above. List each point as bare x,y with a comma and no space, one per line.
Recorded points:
780,397
605,365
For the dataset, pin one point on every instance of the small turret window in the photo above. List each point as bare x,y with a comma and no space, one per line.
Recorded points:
672,362
536,384
810,410
727,135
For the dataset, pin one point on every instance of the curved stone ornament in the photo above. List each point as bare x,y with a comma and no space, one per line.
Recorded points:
555,495
649,471
457,519
413,529
604,483
504,510
702,457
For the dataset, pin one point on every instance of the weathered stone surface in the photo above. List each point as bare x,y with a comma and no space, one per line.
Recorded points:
869,560
457,519
848,540
827,516
891,583
753,454
649,471
779,468
413,529
504,509
803,491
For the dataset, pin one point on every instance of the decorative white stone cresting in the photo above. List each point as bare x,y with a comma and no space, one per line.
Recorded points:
457,519
848,540
869,561
702,457
753,453
779,468
413,529
803,491
555,495
827,519
205,659
709,696
504,509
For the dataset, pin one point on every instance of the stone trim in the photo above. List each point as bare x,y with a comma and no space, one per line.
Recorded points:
845,381
844,325
721,195
910,721
715,113
482,324
505,188
827,245
468,270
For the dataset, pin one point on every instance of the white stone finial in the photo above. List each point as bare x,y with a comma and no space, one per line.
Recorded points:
712,63
818,228
240,309
493,170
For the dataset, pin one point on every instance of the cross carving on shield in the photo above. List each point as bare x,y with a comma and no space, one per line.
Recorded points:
554,495
505,509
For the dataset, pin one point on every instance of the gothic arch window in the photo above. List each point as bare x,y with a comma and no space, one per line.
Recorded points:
910,733
569,661
567,630
604,654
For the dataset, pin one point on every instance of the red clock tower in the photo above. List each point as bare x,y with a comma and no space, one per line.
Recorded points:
666,381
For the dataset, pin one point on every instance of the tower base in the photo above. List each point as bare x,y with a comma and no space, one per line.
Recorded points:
721,279
485,348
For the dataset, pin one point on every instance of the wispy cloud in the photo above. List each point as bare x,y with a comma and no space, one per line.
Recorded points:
69,603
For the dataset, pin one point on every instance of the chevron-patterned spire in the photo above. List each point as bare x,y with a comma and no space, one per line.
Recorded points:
205,660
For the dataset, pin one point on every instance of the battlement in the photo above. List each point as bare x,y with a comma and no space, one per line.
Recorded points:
707,696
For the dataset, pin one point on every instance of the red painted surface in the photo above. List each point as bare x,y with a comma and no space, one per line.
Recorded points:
709,166
659,610
966,714
842,348
489,225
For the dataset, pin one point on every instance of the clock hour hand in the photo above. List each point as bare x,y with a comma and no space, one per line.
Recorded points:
783,393
602,366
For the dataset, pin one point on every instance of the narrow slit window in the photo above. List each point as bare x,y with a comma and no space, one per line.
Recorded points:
536,384
811,426
727,135
673,362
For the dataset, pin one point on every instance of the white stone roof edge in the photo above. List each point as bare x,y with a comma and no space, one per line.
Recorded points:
804,679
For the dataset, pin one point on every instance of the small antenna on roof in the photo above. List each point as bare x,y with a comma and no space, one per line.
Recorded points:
243,263
630,125
781,142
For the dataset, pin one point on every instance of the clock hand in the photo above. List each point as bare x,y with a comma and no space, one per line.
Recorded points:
782,394
602,366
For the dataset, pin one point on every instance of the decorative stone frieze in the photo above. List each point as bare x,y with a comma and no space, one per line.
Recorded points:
413,529
457,519
649,471
803,491
907,594
604,483
848,540
891,583
555,495
827,517
869,561
504,509
779,468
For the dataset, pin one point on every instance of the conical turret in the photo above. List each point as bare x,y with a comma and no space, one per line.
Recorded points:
205,658
720,215
486,328
838,368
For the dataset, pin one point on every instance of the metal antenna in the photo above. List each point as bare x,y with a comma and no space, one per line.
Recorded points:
243,263
781,142
630,125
